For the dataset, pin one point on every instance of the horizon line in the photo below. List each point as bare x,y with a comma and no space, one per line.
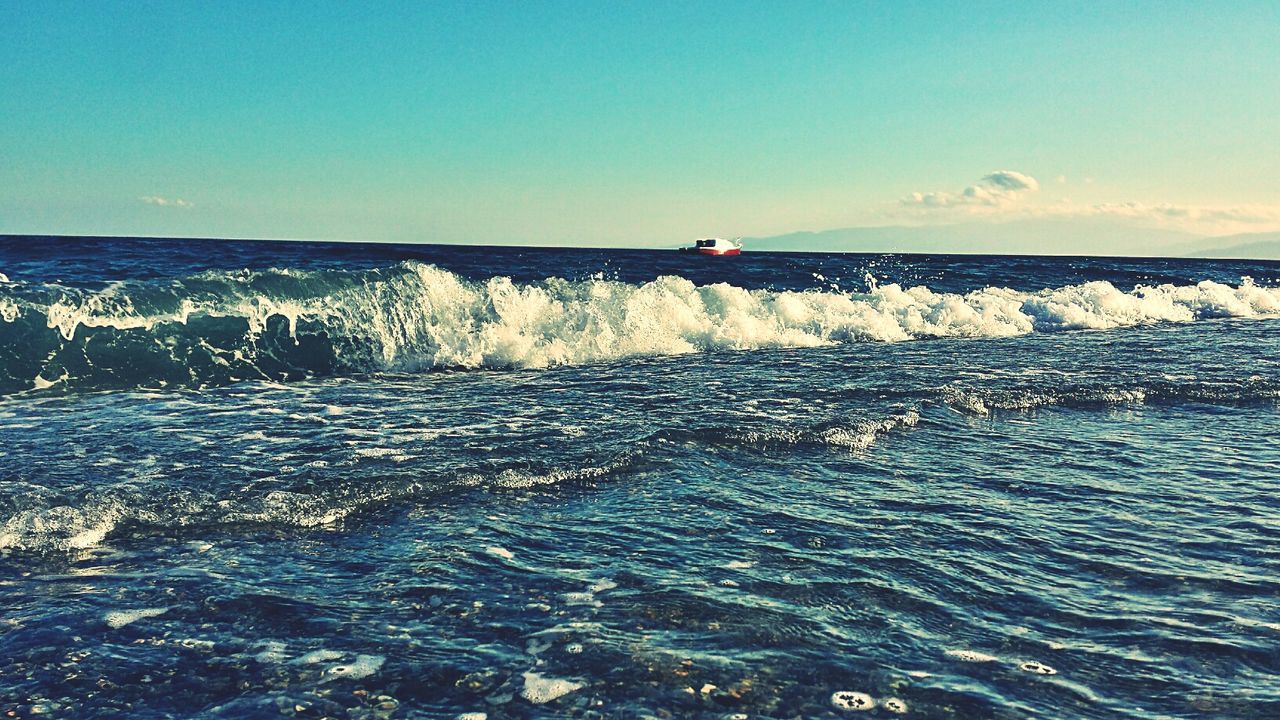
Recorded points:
4,235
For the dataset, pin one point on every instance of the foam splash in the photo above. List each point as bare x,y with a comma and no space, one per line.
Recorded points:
68,524
215,328
972,656
119,618
61,527
501,552
985,401
853,435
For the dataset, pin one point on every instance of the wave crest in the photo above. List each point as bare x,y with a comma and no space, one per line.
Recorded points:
220,327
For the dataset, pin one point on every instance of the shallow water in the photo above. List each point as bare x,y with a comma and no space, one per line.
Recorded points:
1051,523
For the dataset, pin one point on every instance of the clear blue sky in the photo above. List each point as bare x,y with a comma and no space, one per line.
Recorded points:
619,123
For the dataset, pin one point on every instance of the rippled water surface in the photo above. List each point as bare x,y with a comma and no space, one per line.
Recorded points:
251,480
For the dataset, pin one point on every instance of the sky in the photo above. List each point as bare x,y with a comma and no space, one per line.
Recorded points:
632,123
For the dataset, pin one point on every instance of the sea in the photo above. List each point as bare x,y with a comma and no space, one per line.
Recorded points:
301,479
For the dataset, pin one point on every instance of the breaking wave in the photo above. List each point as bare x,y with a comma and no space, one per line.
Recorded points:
46,520
1251,391
51,521
56,522
221,327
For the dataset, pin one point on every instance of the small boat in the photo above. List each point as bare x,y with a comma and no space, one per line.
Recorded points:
714,246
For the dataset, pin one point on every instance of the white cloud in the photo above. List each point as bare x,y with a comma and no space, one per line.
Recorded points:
1010,181
1007,195
166,202
995,190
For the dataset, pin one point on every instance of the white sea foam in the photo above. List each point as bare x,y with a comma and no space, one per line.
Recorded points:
855,436
971,656
61,527
119,618
417,316
602,585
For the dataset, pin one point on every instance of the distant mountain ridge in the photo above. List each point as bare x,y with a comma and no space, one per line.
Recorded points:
1254,246
1044,236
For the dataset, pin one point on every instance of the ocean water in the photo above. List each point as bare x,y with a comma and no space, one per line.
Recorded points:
254,480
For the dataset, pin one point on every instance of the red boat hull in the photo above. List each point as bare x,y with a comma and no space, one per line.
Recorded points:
713,251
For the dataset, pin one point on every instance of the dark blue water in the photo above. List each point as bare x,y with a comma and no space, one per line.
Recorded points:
259,479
